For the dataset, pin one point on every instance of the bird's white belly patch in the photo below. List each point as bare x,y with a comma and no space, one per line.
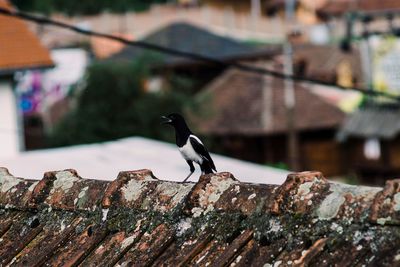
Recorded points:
188,153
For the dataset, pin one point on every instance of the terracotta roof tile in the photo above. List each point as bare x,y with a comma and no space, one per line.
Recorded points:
19,47
218,221
113,247
150,246
66,190
51,236
386,205
131,189
79,246
26,228
15,192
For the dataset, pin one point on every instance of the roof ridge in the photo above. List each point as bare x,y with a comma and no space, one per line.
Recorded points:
307,193
138,219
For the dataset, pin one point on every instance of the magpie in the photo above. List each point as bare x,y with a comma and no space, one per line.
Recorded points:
190,146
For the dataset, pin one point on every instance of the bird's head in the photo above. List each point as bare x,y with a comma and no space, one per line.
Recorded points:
173,119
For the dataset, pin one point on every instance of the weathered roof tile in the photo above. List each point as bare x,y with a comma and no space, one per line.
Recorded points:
310,193
52,236
141,190
112,248
228,255
66,190
78,247
18,236
149,247
219,221
300,193
14,192
346,202
208,190
386,206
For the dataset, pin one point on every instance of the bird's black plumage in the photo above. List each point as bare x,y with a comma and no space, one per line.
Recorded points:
190,146
202,151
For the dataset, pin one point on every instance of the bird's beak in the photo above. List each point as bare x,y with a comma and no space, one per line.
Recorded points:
166,120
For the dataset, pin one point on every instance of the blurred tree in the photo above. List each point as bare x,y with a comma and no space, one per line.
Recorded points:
84,7
113,105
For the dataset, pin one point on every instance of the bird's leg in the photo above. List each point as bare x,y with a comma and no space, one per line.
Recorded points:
202,169
191,170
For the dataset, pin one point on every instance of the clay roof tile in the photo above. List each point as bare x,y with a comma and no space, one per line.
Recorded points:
138,219
19,47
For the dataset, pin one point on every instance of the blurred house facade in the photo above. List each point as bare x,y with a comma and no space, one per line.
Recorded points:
20,50
43,94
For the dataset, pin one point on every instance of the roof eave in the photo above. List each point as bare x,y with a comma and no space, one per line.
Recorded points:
266,132
8,71
227,59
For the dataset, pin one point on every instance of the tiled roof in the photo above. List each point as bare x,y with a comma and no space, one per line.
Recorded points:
138,220
322,61
104,48
339,7
265,111
192,39
375,121
19,47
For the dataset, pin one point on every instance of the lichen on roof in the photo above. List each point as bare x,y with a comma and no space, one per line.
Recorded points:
137,219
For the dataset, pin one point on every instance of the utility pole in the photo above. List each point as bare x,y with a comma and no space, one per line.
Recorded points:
289,94
366,55
255,13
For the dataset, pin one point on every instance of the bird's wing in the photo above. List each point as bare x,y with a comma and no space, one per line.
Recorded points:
201,150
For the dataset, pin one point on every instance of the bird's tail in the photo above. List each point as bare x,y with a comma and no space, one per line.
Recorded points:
206,168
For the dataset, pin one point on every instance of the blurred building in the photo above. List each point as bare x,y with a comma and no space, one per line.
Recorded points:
19,50
246,113
43,94
328,63
338,8
192,39
104,48
248,119
371,139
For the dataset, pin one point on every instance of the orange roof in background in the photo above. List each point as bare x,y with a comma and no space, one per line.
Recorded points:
19,47
104,48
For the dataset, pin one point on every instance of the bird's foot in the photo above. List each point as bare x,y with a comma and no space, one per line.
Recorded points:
190,174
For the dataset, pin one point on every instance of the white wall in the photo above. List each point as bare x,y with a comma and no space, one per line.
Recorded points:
9,138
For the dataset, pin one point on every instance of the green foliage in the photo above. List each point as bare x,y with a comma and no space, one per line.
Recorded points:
114,105
83,7
279,165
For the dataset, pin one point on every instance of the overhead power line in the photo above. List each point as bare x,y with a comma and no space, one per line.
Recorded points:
210,60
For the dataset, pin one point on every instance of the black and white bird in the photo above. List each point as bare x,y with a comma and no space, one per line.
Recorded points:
190,146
